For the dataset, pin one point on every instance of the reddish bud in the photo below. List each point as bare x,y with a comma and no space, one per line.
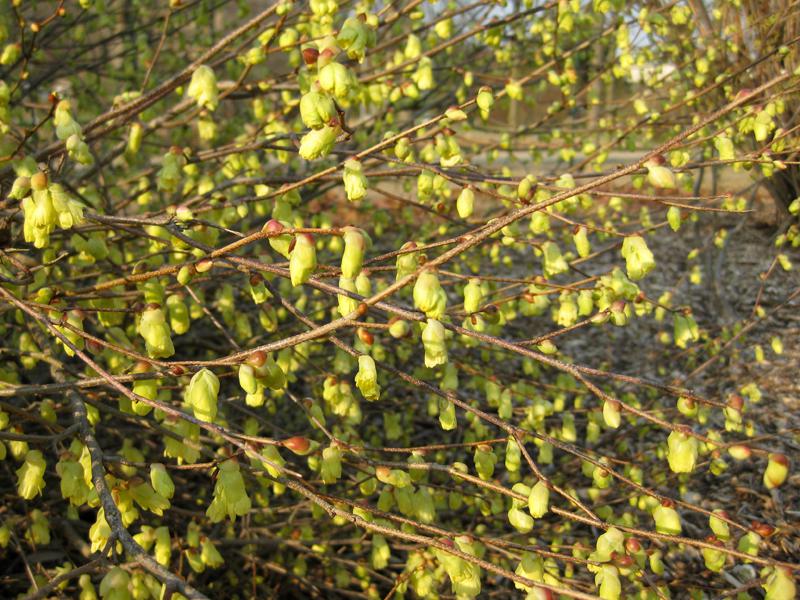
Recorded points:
257,359
310,56
365,336
38,181
94,347
762,529
633,545
621,560
736,402
141,367
297,444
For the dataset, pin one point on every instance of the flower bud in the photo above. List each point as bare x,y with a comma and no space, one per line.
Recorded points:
607,579
38,181
581,240
454,113
310,56
485,460
684,329
20,188
10,54
485,99
514,90
185,274
202,395
520,520
423,76
298,444
161,481
724,146
135,138
611,413
433,340
30,476
399,329
203,88
674,218
394,477
660,176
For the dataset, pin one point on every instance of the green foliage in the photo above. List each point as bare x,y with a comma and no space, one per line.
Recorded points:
380,298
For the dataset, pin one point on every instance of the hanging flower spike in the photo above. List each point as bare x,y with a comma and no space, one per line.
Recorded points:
367,378
170,175
355,36
473,296
433,341
202,395
639,260
658,175
154,329
317,109
230,494
429,297
355,243
203,88
355,182
161,481
777,471
66,126
303,259
337,79
465,203
667,519
682,454
408,262
30,476
318,142
485,101
539,500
